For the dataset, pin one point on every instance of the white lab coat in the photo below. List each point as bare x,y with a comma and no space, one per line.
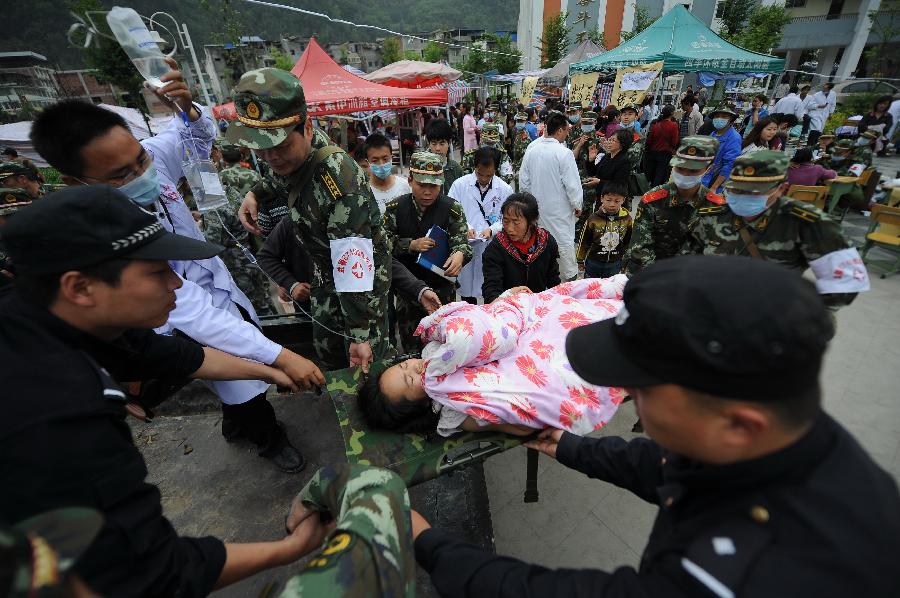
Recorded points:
894,111
549,173
818,116
790,104
205,304
465,191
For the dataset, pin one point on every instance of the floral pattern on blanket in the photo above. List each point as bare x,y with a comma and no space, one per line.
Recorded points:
506,362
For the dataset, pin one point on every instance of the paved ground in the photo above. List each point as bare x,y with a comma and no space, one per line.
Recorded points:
584,523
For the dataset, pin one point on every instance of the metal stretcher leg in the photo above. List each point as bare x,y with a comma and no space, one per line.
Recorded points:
531,473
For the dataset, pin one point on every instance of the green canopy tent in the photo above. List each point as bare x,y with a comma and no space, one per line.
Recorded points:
684,44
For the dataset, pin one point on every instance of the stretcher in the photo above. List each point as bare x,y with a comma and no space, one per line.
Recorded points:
415,458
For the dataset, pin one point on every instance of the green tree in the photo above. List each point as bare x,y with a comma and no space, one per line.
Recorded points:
507,57
642,20
595,35
433,52
391,50
555,42
282,60
734,15
885,27
411,55
764,29
476,61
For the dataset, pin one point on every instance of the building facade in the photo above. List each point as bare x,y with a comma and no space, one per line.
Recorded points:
26,82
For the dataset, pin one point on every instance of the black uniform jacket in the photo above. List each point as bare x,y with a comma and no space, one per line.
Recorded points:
64,442
818,518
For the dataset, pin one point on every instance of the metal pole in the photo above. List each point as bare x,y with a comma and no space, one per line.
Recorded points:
190,47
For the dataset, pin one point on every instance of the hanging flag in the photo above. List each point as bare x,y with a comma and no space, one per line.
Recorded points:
633,82
581,89
528,86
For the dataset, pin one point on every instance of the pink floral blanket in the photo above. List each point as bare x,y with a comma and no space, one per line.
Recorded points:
506,362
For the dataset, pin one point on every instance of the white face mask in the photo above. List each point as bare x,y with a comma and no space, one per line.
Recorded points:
686,181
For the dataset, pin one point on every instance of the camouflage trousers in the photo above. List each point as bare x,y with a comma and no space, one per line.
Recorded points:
250,280
410,313
370,552
332,349
588,207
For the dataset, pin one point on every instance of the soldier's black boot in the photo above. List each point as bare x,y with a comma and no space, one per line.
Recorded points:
282,454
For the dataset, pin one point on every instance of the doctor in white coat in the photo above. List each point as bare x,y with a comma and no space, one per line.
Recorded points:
822,106
481,195
549,173
210,308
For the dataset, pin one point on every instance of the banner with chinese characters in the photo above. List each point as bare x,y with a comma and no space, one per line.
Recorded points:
582,88
528,86
633,82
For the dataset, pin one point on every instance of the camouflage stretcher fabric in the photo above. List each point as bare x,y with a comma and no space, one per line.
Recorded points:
415,458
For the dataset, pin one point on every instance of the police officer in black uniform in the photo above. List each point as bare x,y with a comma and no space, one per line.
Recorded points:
760,493
92,280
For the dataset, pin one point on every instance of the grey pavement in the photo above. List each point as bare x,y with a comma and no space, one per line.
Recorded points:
586,523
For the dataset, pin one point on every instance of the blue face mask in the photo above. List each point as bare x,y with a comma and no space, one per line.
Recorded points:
838,158
628,125
145,189
382,171
520,126
746,204
574,119
587,128
862,141
720,123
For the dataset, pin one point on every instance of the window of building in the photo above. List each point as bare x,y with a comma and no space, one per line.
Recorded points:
834,10
794,3
720,9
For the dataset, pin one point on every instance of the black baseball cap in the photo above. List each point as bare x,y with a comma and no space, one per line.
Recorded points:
732,327
87,225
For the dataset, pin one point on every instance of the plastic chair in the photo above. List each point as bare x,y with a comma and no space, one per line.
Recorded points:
884,232
814,194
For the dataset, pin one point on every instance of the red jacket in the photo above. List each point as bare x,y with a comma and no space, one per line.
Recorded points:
663,136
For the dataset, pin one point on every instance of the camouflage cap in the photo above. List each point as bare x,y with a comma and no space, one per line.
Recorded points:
870,134
8,169
490,132
826,136
13,200
843,145
758,171
37,553
695,152
724,108
573,108
270,104
427,167
521,117
628,106
588,117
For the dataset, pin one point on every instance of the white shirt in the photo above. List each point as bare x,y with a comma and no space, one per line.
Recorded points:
481,213
789,104
818,116
894,111
549,173
400,187
205,304
809,104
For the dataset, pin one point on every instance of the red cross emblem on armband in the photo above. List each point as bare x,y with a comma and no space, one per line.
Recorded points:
357,269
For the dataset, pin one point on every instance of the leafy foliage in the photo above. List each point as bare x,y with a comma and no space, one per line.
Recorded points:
433,52
500,61
885,27
476,61
391,50
282,60
735,13
555,42
763,30
642,20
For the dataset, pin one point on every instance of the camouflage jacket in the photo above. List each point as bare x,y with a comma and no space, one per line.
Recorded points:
237,181
519,146
861,155
273,207
370,552
790,232
573,135
662,224
452,171
337,203
468,167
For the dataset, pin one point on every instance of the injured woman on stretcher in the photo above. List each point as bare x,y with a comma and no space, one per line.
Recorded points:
499,367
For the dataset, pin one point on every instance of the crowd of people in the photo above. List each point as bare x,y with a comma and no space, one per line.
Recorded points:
693,305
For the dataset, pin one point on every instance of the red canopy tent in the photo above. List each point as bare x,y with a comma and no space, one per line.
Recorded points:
330,89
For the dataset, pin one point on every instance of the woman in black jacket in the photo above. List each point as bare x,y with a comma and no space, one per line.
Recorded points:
614,165
522,254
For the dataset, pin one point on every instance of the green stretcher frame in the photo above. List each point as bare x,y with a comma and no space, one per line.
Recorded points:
414,457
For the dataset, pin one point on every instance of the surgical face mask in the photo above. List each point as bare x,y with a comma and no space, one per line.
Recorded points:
382,171
686,181
587,128
145,189
838,158
862,141
628,125
574,119
720,123
746,204
520,126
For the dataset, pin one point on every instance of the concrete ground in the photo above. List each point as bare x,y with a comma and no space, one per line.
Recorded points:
585,523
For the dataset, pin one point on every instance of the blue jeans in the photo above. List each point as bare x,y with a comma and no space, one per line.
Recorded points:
594,269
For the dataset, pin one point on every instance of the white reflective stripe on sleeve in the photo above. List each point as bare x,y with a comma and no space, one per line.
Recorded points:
841,271
352,264
704,577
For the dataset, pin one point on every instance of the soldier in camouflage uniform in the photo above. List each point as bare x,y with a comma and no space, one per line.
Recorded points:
574,116
407,220
843,156
11,201
439,134
629,115
337,218
588,138
863,154
370,551
223,227
666,213
22,175
522,139
490,137
759,221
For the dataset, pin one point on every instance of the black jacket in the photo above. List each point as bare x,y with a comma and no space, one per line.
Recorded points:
505,267
617,169
64,442
818,518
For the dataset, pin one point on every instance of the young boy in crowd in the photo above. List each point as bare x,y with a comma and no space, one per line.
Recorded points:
606,234
438,133
384,183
